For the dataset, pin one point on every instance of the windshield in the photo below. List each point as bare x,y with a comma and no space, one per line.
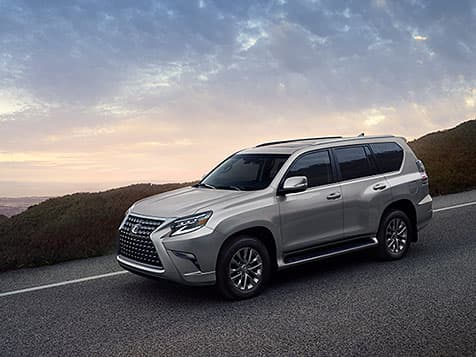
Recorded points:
247,172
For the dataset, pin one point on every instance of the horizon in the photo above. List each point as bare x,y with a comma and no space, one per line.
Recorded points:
57,189
99,95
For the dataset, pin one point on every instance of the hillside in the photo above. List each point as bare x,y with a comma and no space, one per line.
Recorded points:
449,157
69,227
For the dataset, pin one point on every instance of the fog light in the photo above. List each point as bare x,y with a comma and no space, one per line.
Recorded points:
188,256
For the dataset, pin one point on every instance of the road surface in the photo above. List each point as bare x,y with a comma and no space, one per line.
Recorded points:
424,304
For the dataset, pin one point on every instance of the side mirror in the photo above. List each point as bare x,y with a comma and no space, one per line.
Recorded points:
294,184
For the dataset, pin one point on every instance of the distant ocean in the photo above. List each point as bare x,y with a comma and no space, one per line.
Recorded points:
10,206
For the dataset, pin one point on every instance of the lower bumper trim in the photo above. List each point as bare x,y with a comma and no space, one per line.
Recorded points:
136,266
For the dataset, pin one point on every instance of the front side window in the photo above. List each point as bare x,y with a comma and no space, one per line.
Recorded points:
389,156
247,172
315,166
353,162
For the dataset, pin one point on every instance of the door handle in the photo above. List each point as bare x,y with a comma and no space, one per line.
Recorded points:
334,196
380,187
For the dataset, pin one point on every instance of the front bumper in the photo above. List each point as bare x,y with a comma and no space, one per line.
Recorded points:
186,259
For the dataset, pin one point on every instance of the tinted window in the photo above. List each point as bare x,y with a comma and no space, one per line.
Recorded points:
389,156
315,166
245,172
353,162
370,157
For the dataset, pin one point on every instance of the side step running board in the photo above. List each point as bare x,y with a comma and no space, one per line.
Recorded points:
326,251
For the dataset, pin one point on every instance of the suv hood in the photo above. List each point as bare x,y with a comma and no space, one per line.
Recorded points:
183,202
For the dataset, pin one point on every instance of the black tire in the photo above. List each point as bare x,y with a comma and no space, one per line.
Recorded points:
391,245
231,251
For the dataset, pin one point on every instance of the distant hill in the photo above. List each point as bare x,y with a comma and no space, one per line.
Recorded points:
449,157
69,227
10,211
10,206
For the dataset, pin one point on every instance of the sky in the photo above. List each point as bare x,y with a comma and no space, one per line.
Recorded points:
98,94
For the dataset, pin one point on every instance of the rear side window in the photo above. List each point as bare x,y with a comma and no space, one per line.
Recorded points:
315,166
353,162
389,156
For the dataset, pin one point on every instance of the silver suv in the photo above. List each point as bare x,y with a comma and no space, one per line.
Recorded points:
278,205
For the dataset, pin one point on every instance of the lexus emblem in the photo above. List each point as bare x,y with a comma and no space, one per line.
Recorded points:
135,228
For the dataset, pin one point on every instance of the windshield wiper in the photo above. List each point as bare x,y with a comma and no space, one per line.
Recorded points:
229,187
206,185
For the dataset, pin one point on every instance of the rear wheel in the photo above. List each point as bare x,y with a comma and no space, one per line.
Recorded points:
243,268
394,235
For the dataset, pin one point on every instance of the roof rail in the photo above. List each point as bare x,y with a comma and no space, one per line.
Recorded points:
295,140
352,138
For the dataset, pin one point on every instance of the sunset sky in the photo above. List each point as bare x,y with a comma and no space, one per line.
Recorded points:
97,94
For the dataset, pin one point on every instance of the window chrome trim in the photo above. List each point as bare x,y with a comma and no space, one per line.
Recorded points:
362,179
315,188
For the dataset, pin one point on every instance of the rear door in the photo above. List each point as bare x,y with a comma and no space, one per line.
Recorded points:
365,191
314,216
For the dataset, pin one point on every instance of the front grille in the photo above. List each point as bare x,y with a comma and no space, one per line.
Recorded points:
137,245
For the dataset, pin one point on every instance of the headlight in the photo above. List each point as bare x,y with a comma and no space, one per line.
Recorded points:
190,224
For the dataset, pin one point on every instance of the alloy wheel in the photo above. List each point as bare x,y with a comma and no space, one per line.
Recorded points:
246,269
396,235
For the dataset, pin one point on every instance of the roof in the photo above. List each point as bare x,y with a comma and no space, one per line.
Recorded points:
291,146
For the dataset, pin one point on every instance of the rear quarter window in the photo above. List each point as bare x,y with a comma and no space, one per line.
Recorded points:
389,156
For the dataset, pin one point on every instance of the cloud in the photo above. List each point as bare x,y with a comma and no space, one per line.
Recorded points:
470,99
116,79
376,116
420,38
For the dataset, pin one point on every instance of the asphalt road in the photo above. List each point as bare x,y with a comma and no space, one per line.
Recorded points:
424,304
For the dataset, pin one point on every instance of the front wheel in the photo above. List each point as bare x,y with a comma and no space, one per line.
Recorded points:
243,268
394,235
